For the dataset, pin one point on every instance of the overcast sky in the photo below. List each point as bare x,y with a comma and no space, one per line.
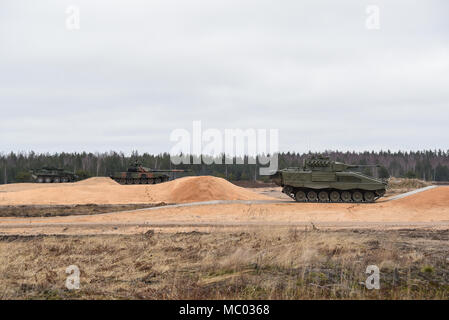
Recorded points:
136,70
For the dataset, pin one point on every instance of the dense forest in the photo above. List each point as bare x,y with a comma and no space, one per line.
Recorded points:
426,165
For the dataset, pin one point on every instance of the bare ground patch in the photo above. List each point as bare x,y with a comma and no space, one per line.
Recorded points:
68,210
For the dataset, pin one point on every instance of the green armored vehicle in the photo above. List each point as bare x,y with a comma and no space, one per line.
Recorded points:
53,175
137,174
323,180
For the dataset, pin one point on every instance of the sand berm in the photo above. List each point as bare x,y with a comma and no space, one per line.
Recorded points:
102,190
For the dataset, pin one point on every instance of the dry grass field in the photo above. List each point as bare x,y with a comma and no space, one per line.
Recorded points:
236,263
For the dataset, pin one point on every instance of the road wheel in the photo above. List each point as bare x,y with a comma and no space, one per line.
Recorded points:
335,196
311,195
129,181
323,196
300,196
122,181
137,181
144,181
48,180
56,180
346,196
40,180
357,196
369,196
156,181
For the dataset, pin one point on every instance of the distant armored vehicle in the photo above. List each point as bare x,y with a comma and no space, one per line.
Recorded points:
137,174
53,175
323,180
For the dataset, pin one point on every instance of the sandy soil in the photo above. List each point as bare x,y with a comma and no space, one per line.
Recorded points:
430,208
427,208
107,191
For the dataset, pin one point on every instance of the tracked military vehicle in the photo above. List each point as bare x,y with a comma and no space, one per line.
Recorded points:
52,175
323,180
138,174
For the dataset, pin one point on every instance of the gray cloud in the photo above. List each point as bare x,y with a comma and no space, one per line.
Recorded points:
136,70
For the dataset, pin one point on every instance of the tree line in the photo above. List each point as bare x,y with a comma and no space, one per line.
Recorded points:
430,165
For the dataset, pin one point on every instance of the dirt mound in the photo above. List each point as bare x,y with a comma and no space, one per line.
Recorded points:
13,187
97,181
202,188
403,183
103,190
429,199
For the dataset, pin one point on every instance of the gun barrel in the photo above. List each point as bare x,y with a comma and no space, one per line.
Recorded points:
363,166
173,170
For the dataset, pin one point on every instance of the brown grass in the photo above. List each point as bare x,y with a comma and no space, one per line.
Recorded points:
244,263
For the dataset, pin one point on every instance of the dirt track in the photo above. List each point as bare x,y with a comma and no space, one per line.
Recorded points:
429,208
